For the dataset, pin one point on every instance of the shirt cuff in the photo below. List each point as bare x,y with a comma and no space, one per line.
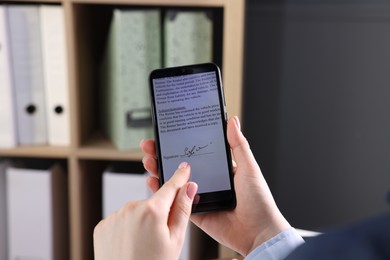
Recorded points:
278,247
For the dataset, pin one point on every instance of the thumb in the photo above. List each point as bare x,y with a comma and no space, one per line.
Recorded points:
242,153
181,211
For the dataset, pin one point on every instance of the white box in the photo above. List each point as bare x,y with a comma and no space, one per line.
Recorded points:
37,215
119,188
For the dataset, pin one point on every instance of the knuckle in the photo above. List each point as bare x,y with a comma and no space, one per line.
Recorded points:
149,210
127,210
152,209
184,209
174,184
129,205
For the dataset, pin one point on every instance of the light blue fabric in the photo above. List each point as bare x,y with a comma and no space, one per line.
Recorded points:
278,247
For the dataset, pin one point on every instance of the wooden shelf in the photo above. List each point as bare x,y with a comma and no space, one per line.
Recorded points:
34,1
90,152
37,151
199,3
100,148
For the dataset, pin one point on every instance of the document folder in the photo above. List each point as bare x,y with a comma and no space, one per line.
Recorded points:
188,37
37,213
55,74
27,70
132,51
7,116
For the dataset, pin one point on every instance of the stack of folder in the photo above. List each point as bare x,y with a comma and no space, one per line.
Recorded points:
33,76
136,44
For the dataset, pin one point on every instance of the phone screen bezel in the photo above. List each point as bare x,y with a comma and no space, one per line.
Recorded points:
210,201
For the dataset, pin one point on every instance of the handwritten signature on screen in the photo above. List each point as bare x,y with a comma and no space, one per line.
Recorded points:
196,150
191,151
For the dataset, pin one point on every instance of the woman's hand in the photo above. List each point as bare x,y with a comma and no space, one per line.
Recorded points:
150,229
256,217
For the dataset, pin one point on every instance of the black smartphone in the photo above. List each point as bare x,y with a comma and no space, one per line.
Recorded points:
190,119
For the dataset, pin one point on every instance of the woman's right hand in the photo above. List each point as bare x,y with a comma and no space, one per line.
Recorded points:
256,217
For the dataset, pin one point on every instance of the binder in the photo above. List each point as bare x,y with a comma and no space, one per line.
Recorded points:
132,51
37,215
55,74
121,187
27,71
3,213
188,37
7,118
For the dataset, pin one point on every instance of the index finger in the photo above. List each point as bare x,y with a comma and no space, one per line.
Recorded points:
166,195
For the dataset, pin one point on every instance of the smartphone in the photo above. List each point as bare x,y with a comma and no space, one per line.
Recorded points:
190,119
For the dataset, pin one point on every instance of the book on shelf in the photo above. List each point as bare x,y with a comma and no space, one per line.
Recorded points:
7,116
132,51
37,213
188,37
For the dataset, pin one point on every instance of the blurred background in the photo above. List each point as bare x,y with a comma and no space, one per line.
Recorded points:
316,107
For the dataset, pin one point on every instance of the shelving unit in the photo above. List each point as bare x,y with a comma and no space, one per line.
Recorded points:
90,152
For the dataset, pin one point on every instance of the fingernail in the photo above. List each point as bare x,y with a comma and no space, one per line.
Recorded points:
237,121
183,165
192,188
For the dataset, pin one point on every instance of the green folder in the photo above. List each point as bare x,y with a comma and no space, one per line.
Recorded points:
188,37
132,51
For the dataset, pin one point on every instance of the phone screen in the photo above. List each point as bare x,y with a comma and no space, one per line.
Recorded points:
190,125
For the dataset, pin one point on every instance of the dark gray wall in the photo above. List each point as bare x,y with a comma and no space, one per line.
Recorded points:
317,107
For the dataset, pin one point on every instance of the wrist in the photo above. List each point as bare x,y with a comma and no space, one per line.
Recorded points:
274,227
278,247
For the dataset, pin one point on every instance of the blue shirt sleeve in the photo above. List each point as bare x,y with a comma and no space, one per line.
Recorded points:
278,247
